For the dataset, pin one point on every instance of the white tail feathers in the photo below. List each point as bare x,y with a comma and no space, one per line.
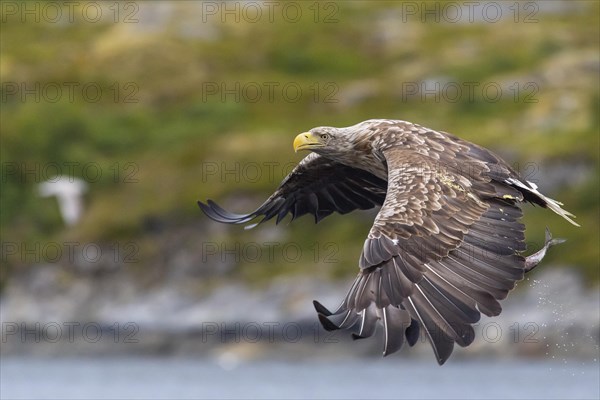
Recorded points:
550,203
556,207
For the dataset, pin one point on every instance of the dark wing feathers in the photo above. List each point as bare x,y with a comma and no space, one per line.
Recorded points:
317,186
510,184
394,320
443,249
441,343
368,323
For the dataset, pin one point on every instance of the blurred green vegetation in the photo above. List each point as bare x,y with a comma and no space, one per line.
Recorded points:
173,128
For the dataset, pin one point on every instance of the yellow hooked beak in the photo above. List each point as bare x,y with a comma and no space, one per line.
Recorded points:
306,141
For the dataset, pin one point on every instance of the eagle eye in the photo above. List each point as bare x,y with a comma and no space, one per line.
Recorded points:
324,136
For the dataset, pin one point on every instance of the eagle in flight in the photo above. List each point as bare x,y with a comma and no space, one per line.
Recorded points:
446,244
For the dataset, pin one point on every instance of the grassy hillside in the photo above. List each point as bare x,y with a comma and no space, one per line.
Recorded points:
186,97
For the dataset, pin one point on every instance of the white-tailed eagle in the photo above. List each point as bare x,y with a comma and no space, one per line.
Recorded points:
446,244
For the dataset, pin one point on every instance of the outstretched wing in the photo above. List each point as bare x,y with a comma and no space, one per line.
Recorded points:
443,248
318,186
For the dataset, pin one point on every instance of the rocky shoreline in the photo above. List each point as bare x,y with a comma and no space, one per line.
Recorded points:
552,316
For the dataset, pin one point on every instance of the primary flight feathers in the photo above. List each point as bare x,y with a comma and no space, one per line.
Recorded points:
446,243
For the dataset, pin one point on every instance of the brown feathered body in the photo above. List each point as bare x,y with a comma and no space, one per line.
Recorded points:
446,243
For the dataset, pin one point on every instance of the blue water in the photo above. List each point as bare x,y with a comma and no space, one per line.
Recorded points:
174,378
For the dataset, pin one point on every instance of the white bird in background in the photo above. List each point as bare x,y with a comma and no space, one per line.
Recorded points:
69,193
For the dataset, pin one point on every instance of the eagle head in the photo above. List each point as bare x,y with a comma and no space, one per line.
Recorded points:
324,140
